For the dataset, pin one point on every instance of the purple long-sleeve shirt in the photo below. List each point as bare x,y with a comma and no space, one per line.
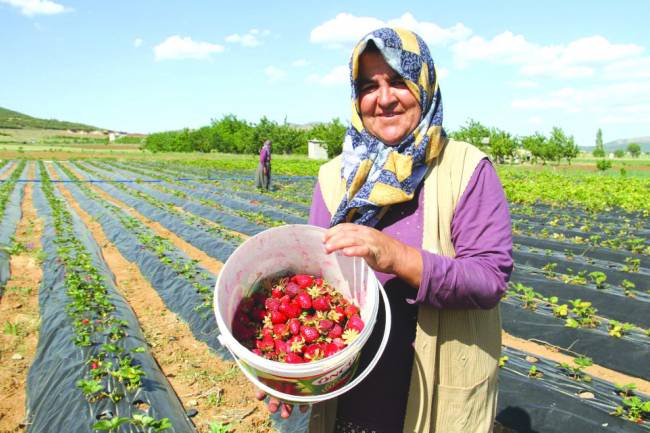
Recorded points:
475,278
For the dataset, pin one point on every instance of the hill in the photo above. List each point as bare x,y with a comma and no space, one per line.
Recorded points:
15,120
622,143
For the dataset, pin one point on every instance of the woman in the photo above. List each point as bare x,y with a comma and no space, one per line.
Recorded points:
263,173
429,215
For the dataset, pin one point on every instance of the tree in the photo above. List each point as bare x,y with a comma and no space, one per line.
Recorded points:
332,134
599,151
634,149
603,164
569,149
619,153
535,145
502,145
472,132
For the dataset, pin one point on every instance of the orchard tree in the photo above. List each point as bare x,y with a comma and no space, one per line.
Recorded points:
502,145
619,153
472,132
634,149
535,144
599,151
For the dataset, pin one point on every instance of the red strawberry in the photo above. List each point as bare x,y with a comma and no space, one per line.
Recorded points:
272,304
309,333
339,343
293,358
321,303
280,330
304,300
265,344
296,343
267,332
302,280
351,310
335,332
318,282
277,292
281,346
278,317
355,323
258,314
331,349
94,366
294,326
85,321
325,325
291,309
292,289
257,352
313,352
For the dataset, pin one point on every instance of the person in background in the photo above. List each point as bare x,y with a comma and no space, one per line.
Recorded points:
430,217
263,173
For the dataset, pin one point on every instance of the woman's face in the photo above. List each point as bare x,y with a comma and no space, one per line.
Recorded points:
389,110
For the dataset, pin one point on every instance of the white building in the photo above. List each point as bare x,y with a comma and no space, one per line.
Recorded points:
316,149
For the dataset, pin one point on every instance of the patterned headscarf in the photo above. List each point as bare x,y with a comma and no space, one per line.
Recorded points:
378,175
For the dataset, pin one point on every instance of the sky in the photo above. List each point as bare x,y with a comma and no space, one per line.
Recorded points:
147,66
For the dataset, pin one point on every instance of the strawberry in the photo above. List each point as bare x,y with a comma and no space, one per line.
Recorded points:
339,343
355,323
321,303
281,346
313,352
296,343
293,358
94,366
280,330
318,282
258,314
325,325
309,333
294,326
304,300
331,349
291,309
272,304
257,352
302,280
265,344
276,292
85,321
292,289
350,310
278,317
335,332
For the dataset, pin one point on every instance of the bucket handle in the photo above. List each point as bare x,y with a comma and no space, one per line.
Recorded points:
309,399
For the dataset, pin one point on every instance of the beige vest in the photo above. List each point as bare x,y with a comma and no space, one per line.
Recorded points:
454,375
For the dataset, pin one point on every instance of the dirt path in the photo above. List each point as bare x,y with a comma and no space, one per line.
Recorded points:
202,380
553,354
20,312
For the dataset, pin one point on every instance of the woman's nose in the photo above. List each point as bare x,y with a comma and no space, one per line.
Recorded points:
386,96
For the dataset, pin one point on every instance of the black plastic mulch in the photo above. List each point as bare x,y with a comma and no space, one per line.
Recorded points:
8,223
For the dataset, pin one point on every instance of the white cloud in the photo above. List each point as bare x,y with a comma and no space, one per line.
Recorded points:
178,47
535,120
524,84
137,42
338,75
613,103
37,7
431,32
576,59
274,74
346,29
442,73
299,63
250,39
629,69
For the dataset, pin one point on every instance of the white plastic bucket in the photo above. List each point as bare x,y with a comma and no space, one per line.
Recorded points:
298,248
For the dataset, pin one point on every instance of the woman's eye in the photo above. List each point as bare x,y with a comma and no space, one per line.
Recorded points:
368,87
398,82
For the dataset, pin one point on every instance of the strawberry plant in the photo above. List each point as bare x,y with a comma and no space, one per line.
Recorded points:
632,264
628,286
633,409
110,425
534,373
618,329
575,371
626,390
598,279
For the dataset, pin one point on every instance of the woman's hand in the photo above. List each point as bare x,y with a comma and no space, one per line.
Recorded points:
382,252
274,404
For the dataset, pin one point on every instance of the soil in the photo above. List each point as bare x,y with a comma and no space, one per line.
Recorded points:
200,378
19,306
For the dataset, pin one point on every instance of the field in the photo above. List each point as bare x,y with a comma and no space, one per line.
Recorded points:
107,268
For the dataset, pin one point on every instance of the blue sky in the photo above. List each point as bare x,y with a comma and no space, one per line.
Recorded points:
145,66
